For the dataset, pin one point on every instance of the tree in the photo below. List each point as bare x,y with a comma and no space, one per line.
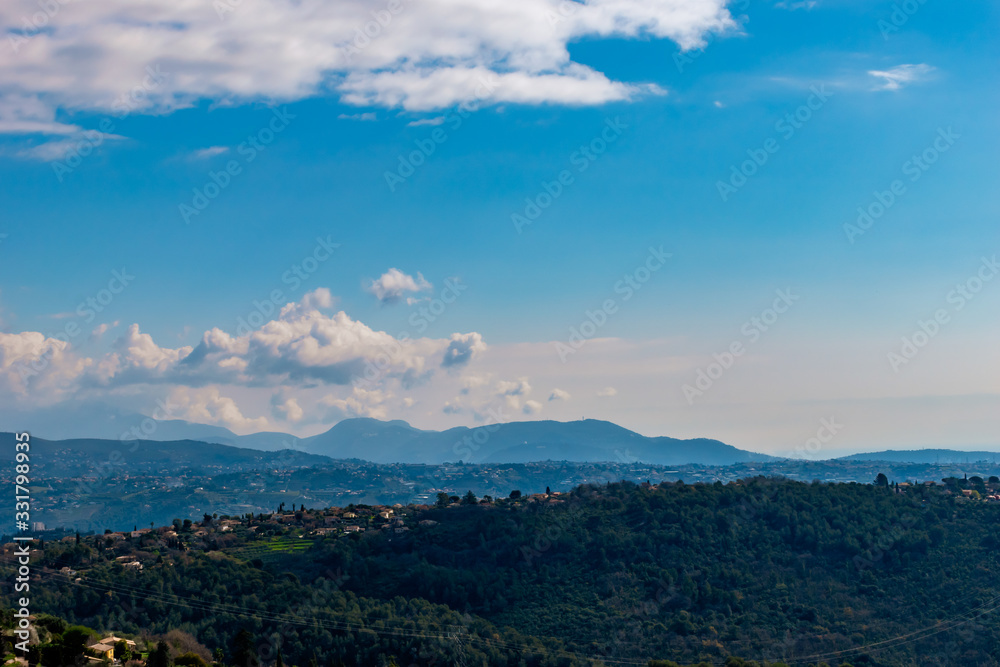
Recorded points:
122,652
244,653
73,642
548,491
515,494
470,498
160,656
190,659
882,480
442,500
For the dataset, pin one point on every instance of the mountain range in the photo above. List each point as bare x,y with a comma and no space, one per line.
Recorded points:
396,441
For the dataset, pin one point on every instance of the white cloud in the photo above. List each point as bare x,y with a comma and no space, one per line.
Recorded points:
302,347
286,408
208,406
559,395
531,408
59,148
368,116
437,120
28,114
360,403
211,151
518,388
607,392
34,365
462,348
392,285
800,4
160,55
901,75
102,329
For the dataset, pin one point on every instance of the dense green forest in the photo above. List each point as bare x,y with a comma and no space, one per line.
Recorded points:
770,570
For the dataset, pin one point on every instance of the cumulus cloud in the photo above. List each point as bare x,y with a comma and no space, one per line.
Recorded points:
161,55
901,75
393,285
208,406
531,407
559,395
102,329
510,388
470,382
286,408
462,348
301,349
301,346
607,392
360,403
32,364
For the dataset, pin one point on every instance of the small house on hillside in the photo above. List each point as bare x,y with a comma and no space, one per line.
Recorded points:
106,647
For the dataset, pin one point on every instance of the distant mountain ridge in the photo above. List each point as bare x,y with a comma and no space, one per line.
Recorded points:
397,441
925,456
517,442
100,457
394,441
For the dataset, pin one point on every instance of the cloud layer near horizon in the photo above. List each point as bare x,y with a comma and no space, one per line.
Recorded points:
301,347
309,368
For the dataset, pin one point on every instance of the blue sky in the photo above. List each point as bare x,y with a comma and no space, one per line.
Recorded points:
686,90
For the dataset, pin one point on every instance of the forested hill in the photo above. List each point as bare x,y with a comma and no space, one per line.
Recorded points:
763,569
